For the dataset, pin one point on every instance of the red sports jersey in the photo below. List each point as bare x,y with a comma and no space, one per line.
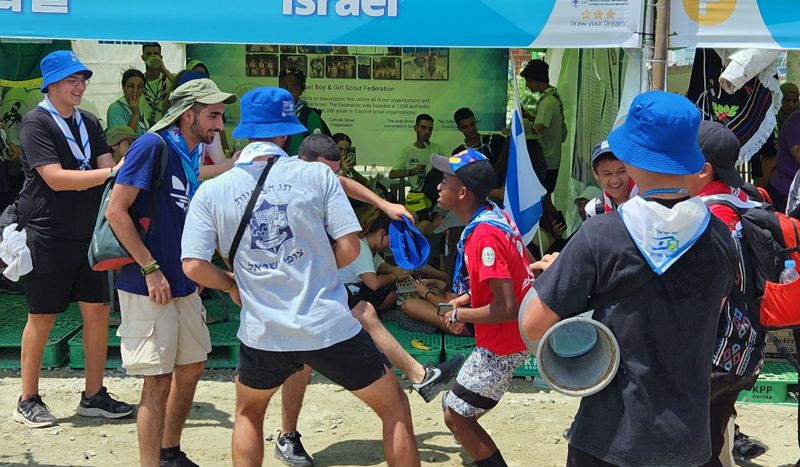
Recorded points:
490,253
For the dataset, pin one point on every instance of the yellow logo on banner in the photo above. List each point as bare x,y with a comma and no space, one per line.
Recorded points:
709,12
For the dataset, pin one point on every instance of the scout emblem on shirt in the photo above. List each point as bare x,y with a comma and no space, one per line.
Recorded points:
269,227
487,255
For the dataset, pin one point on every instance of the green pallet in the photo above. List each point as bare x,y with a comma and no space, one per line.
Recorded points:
55,349
76,355
773,384
224,345
465,346
224,348
404,337
14,309
216,308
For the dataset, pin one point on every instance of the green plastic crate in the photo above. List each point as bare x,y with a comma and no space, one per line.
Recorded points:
404,337
773,383
465,346
224,348
55,349
224,345
113,357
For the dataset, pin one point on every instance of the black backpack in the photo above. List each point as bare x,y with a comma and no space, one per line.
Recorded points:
303,117
768,239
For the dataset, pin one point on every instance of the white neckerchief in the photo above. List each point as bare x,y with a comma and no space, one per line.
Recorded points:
259,149
82,156
662,234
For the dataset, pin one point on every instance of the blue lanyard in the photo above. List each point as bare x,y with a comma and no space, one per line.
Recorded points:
665,191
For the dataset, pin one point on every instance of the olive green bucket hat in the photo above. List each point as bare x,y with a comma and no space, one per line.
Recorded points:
203,91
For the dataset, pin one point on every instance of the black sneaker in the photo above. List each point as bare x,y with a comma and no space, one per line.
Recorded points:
436,376
746,448
180,461
9,287
290,451
34,413
104,405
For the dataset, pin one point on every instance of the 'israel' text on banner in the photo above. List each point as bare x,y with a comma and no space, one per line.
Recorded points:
524,191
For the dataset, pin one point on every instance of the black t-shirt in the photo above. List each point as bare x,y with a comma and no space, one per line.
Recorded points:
492,147
655,410
62,214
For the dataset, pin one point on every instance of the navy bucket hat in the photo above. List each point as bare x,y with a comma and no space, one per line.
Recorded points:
59,65
409,246
266,113
660,135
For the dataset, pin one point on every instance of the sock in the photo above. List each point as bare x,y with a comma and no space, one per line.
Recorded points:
168,454
495,460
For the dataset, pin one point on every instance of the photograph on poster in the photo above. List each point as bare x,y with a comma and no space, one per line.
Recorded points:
340,67
261,65
364,67
386,68
316,66
426,63
261,48
294,62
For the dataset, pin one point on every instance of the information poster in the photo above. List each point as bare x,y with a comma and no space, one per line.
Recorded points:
372,94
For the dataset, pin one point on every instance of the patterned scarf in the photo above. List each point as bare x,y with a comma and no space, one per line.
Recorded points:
608,202
81,154
490,214
190,160
155,97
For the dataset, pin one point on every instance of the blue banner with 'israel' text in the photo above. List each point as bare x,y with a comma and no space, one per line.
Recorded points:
446,23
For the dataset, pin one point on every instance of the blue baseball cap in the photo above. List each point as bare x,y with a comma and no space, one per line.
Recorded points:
266,113
471,167
59,65
600,149
660,135
409,247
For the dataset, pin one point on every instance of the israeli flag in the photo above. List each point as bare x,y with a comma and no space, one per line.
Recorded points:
524,191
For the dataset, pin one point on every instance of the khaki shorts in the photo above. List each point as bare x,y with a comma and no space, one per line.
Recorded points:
155,338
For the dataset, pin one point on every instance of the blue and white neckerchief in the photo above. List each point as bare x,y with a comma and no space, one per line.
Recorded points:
493,216
664,234
258,149
81,154
189,160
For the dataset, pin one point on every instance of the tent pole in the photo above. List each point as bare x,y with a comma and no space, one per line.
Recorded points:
662,40
646,76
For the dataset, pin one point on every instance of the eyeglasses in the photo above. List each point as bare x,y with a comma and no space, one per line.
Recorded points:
75,82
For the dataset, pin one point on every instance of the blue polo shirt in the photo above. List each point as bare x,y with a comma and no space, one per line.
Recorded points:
163,239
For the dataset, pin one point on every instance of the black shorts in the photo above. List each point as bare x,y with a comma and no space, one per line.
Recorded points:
375,297
353,364
61,275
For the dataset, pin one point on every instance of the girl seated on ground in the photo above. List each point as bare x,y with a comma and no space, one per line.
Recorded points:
432,292
369,278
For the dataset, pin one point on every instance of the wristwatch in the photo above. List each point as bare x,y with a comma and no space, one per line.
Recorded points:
150,268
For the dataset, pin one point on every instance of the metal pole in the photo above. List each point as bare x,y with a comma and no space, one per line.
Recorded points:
661,44
648,45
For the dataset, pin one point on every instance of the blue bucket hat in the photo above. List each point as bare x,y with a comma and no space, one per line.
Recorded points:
409,246
60,64
660,135
266,113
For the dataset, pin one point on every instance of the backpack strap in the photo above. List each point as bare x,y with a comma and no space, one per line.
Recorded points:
157,179
248,212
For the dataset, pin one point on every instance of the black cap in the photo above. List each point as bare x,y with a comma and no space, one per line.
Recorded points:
472,168
537,70
721,147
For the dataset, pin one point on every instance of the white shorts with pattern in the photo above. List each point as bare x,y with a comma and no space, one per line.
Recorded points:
482,381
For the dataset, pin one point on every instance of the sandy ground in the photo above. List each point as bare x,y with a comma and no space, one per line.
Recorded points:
337,428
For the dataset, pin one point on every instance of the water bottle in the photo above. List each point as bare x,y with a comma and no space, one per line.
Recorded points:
789,274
